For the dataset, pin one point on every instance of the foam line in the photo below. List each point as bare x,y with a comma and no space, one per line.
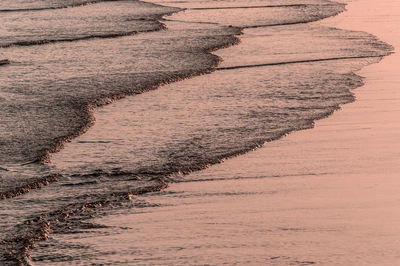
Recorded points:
300,62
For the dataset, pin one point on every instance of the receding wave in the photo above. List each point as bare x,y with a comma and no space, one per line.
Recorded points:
123,18
179,58
49,95
14,247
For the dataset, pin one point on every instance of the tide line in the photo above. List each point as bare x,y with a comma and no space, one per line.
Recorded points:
299,62
247,7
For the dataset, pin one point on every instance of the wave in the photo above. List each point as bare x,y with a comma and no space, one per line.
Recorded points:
37,228
123,18
15,246
88,117
70,217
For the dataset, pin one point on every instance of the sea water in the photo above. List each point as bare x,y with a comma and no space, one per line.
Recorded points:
68,60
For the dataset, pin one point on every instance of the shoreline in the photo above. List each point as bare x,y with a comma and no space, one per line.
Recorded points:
348,113
212,48
324,195
218,53
90,107
338,180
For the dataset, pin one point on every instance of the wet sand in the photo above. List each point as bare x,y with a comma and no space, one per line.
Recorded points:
328,195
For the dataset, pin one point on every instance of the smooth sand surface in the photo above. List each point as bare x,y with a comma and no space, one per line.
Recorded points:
328,195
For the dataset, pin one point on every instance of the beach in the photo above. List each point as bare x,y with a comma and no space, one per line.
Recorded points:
199,132
326,195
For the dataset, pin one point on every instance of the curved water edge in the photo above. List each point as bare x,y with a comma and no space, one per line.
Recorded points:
124,18
145,81
37,228
86,118
15,246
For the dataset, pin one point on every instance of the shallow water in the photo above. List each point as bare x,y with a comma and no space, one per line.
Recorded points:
279,79
88,21
329,195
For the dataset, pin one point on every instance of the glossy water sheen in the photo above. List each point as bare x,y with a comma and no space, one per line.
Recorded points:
326,196
285,74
